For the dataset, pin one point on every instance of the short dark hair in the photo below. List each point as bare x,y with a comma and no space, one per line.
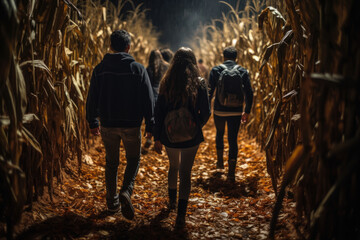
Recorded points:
120,39
200,61
230,53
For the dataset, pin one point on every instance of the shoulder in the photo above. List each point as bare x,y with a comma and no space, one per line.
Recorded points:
98,67
137,67
217,68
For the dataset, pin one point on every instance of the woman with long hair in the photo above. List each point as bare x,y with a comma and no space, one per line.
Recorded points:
181,110
156,69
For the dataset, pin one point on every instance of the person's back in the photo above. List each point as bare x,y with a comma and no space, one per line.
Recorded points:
120,96
181,111
228,105
121,81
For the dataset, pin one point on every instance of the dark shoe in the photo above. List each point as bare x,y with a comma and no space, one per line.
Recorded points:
172,198
172,205
180,218
127,208
180,222
145,148
220,158
114,209
147,143
232,167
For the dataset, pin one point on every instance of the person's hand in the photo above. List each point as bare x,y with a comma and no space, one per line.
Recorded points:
95,131
158,147
244,117
148,135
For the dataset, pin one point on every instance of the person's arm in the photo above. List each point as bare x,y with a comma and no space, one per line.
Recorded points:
148,103
204,106
150,74
248,93
248,98
212,82
159,121
92,108
159,117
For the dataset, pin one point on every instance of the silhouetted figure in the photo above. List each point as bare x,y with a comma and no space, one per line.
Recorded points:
204,70
232,85
182,109
120,95
167,54
156,69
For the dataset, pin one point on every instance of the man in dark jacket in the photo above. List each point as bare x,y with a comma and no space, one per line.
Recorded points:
120,95
233,116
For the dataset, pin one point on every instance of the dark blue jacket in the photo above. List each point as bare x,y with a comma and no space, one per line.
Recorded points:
201,113
120,94
248,92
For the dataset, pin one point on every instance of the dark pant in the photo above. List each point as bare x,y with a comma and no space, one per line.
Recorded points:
131,138
233,125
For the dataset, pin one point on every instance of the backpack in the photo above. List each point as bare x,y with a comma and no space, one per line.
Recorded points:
230,86
180,125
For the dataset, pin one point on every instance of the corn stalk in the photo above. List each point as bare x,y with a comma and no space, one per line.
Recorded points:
305,114
312,57
48,51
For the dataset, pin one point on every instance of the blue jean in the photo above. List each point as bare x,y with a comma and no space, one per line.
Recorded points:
233,125
131,138
181,161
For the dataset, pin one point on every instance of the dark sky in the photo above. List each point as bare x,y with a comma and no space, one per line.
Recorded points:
178,19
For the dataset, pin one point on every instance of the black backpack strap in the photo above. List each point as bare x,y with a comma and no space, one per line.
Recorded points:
223,66
202,80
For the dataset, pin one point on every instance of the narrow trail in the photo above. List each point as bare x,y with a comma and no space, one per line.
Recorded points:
217,209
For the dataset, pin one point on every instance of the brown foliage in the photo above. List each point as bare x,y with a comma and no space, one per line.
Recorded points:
306,95
48,51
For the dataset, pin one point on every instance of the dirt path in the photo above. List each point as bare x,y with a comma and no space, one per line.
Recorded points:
217,209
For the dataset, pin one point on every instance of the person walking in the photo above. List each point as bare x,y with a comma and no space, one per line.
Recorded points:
156,69
232,85
182,109
203,68
167,54
120,96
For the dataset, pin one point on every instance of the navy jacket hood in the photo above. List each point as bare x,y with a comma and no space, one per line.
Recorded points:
120,93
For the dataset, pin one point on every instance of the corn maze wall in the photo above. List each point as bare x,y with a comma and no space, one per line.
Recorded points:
48,51
304,61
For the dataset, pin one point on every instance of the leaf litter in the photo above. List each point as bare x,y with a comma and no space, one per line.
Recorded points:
217,208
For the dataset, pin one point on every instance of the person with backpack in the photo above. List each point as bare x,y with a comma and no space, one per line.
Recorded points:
232,85
120,95
181,110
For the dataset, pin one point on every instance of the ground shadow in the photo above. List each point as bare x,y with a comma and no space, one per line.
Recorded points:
154,230
217,183
71,225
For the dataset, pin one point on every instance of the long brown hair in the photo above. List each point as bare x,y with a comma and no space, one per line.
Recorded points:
181,80
157,64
